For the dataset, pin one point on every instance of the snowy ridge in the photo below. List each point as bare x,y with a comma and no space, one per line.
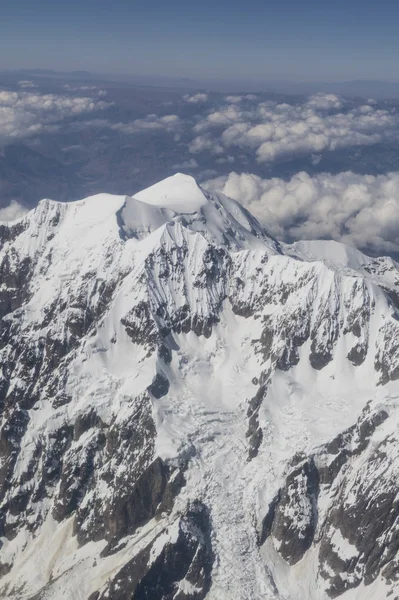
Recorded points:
191,410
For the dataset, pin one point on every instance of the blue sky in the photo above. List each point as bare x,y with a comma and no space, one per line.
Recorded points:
252,40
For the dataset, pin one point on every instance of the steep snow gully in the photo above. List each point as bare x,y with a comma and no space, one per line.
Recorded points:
190,409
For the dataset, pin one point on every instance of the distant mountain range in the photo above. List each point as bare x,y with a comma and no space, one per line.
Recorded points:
358,87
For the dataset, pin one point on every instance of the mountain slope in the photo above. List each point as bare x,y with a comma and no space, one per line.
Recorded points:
189,409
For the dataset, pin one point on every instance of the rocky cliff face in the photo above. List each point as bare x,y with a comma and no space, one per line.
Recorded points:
190,410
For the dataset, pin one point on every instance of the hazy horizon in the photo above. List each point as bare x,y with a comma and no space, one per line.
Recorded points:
289,41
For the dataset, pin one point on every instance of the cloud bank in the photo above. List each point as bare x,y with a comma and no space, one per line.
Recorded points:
27,113
271,130
360,210
199,98
25,84
169,123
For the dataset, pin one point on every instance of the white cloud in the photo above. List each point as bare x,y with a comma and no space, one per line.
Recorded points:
204,143
149,123
80,88
225,159
195,98
361,210
93,89
316,159
24,84
325,102
233,99
272,130
13,211
27,113
237,99
187,164
226,116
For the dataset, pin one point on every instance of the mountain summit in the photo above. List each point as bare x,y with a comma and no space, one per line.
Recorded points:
192,410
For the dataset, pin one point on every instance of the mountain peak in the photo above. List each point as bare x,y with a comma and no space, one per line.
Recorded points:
176,199
179,193
189,410
216,217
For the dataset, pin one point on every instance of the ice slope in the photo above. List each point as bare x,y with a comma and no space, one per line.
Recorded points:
189,409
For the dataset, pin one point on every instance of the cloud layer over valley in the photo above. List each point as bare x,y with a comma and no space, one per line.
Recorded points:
361,210
29,113
273,130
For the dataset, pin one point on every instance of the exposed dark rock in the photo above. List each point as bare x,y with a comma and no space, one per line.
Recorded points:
292,516
165,354
14,279
368,521
145,489
393,297
254,432
357,354
77,471
386,360
4,569
267,523
11,434
189,558
10,231
136,509
85,422
159,386
325,332
141,327
319,357
265,343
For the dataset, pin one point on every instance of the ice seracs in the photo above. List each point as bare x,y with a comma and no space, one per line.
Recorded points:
191,410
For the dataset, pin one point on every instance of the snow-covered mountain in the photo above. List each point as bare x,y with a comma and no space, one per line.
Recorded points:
191,410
